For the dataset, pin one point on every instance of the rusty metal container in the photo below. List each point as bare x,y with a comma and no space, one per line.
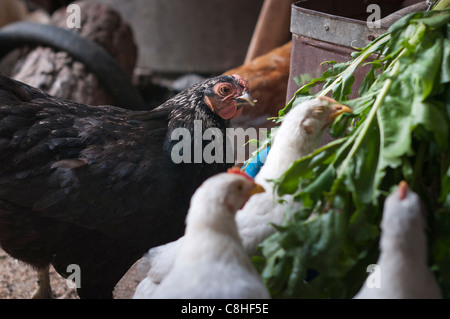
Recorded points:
331,29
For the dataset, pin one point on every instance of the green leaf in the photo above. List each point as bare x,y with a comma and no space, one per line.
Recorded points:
433,118
399,130
434,20
395,126
369,79
290,180
321,184
445,186
345,89
365,164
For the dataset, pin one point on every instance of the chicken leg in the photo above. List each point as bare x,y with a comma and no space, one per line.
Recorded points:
44,290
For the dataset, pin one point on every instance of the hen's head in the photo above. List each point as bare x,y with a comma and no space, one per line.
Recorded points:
219,98
303,126
227,95
217,200
402,213
319,113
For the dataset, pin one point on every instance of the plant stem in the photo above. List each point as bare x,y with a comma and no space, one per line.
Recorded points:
354,65
380,98
442,4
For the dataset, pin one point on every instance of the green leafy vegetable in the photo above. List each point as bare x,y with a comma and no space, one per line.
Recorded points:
399,130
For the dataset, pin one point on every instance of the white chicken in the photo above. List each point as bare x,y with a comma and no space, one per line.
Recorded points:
401,271
299,134
211,262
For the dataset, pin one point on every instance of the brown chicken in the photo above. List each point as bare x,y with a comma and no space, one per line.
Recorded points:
268,77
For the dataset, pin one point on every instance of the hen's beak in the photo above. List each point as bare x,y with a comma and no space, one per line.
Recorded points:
336,108
258,189
245,99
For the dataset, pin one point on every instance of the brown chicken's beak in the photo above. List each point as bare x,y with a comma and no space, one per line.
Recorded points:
258,189
245,99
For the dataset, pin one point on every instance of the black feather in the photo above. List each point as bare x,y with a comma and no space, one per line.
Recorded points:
94,185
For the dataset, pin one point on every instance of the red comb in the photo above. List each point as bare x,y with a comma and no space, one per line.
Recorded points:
241,80
237,170
403,189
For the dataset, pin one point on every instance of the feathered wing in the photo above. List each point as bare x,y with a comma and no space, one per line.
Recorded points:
157,263
61,163
64,160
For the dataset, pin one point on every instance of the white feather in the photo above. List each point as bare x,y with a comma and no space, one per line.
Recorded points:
211,261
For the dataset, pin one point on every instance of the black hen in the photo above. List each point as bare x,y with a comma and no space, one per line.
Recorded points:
96,186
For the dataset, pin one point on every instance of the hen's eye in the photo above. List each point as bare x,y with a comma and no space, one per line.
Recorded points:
225,90
318,111
240,187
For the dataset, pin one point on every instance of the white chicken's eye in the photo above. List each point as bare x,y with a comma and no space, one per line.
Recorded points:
318,111
240,187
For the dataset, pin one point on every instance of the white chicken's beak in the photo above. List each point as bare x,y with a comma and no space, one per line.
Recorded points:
245,99
258,189
336,108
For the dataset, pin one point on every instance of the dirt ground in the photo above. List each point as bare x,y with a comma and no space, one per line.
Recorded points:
18,281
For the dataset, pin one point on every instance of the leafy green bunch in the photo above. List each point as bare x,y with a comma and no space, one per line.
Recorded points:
399,130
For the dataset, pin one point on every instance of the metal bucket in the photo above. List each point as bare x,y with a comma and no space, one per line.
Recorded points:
331,29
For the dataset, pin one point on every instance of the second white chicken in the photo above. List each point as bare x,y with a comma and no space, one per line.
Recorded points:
211,262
